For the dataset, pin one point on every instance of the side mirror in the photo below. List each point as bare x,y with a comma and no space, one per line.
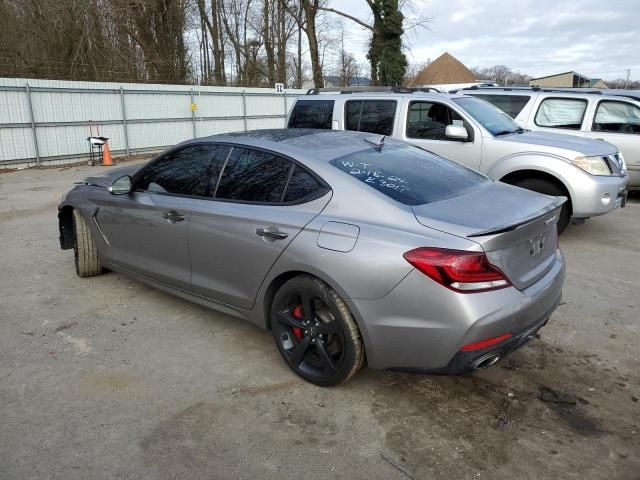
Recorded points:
121,186
456,132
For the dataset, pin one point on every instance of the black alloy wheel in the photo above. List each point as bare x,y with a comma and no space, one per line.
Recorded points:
315,332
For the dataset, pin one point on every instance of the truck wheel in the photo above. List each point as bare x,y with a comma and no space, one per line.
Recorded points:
84,248
544,186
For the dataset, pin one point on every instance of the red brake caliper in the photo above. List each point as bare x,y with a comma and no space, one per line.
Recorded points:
297,331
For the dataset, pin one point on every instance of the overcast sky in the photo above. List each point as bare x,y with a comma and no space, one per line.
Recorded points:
597,38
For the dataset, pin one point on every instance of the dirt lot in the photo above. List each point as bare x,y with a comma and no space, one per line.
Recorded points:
107,378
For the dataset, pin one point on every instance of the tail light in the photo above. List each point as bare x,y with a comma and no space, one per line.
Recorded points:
458,270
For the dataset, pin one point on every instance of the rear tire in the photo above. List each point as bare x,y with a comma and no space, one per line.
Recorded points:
315,332
544,186
84,248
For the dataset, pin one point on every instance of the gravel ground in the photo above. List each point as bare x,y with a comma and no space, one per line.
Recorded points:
107,378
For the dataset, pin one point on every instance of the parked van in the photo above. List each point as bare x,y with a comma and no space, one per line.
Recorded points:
612,116
470,131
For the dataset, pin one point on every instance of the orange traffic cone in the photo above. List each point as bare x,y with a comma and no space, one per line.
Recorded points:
107,161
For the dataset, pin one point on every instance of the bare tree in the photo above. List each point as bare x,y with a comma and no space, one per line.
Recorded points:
211,24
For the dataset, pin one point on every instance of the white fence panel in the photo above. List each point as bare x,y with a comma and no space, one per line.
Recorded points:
16,144
45,121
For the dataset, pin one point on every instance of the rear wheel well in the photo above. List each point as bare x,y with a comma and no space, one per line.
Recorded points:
515,177
273,287
65,224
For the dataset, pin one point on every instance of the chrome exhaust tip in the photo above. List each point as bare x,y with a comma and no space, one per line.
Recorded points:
486,361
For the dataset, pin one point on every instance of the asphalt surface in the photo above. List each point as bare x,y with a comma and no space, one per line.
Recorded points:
107,378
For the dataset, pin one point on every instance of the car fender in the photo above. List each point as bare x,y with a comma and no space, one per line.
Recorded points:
76,199
554,165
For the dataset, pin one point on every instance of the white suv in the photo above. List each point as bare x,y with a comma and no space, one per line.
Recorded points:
470,131
613,116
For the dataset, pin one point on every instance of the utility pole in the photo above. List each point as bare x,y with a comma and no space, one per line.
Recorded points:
626,85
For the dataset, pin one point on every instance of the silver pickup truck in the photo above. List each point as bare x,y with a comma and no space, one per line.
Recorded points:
470,131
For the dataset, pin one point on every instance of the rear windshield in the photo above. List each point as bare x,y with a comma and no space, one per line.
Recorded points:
408,174
311,114
512,105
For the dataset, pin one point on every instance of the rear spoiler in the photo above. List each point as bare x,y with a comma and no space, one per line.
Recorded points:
559,201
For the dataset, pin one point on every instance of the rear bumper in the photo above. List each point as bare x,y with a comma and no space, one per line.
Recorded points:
464,362
421,326
594,195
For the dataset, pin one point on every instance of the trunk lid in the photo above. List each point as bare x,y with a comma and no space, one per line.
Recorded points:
515,227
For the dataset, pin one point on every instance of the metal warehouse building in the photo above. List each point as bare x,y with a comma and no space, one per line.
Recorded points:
567,80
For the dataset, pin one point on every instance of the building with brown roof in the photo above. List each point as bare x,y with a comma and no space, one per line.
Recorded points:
446,69
567,80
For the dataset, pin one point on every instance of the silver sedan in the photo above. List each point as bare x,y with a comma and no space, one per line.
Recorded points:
350,248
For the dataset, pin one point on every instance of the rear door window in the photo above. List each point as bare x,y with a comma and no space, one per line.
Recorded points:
428,120
253,176
617,117
312,114
561,113
512,105
258,176
408,174
373,116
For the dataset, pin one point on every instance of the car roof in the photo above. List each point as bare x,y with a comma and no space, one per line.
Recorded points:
382,95
601,94
303,143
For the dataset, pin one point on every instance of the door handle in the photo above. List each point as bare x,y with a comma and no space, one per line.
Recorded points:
173,216
275,234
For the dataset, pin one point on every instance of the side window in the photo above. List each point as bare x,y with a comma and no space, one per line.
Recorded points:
254,176
429,120
312,114
512,105
617,117
373,116
302,185
561,113
181,172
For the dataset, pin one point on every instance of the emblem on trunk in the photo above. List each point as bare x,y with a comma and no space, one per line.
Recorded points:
550,220
536,244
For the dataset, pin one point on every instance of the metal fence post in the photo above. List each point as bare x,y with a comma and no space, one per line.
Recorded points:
124,121
284,118
244,109
33,125
193,114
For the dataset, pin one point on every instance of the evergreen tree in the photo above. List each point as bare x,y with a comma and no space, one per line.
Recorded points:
388,62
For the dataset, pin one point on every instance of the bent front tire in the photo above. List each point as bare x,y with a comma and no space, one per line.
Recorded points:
315,332
85,252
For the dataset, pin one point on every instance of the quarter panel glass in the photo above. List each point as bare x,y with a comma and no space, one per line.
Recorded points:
301,185
617,117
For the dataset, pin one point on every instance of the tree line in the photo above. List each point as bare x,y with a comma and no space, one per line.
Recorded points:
213,42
